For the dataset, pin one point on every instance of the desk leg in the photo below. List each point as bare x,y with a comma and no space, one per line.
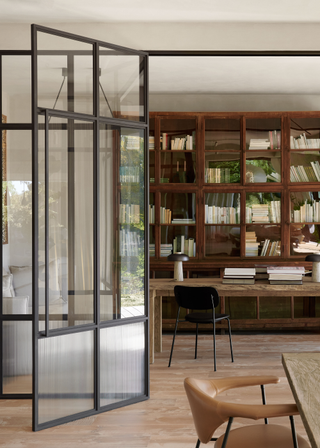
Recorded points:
151,326
158,324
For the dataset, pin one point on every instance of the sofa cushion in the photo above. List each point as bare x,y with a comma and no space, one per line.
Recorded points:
15,305
22,281
7,288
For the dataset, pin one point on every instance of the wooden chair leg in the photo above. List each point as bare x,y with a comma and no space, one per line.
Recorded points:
174,336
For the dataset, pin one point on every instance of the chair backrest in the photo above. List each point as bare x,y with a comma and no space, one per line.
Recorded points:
196,298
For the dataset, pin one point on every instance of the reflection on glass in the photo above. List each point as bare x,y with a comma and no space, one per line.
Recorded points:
17,357
222,208
304,239
241,307
264,166
66,375
65,81
122,363
222,167
178,135
275,307
263,133
222,241
121,296
131,222
17,222
120,85
178,208
16,89
178,167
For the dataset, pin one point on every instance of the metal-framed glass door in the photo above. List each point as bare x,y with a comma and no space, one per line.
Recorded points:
90,230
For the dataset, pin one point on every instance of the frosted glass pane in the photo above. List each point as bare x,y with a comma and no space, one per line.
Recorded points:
17,357
122,363
66,375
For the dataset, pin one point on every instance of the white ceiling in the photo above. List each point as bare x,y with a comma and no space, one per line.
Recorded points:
44,11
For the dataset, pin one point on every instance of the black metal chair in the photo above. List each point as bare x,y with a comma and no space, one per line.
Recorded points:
200,298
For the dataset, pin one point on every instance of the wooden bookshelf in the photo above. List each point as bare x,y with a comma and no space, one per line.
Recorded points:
244,173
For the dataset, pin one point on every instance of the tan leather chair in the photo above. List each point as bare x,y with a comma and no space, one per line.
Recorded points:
209,413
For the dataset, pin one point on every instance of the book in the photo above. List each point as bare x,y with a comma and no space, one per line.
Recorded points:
285,269
240,271
238,281
285,276
285,282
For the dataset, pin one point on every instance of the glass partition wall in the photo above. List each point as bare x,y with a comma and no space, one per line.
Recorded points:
77,271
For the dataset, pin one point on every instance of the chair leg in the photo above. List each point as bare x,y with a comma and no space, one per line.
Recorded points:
195,353
174,336
226,435
229,326
294,434
214,346
264,401
198,443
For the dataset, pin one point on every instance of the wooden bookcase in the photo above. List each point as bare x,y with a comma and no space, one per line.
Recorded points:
234,198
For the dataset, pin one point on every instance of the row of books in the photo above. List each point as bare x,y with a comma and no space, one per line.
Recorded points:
129,243
307,212
274,142
129,174
302,173
242,276
184,245
151,142
165,250
302,142
285,275
222,215
165,215
177,143
252,245
271,248
217,175
264,213
129,213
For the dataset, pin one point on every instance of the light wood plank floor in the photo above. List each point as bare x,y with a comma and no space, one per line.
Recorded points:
165,420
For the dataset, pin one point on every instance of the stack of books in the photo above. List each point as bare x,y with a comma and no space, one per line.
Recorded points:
165,250
259,143
240,276
285,275
251,244
260,213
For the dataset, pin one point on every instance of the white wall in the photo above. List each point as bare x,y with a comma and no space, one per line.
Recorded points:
179,36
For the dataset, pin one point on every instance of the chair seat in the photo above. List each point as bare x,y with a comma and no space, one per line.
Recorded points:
204,318
261,436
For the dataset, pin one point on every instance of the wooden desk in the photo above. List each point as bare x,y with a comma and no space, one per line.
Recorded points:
303,373
165,287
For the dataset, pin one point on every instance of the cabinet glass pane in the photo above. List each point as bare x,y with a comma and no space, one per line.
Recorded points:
305,206
275,307
222,208
222,241
222,134
152,213
304,166
178,239
241,307
304,133
304,239
122,363
263,240
178,208
222,151
65,375
178,134
263,208
121,85
65,81
16,89
130,250
178,167
263,139
222,167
